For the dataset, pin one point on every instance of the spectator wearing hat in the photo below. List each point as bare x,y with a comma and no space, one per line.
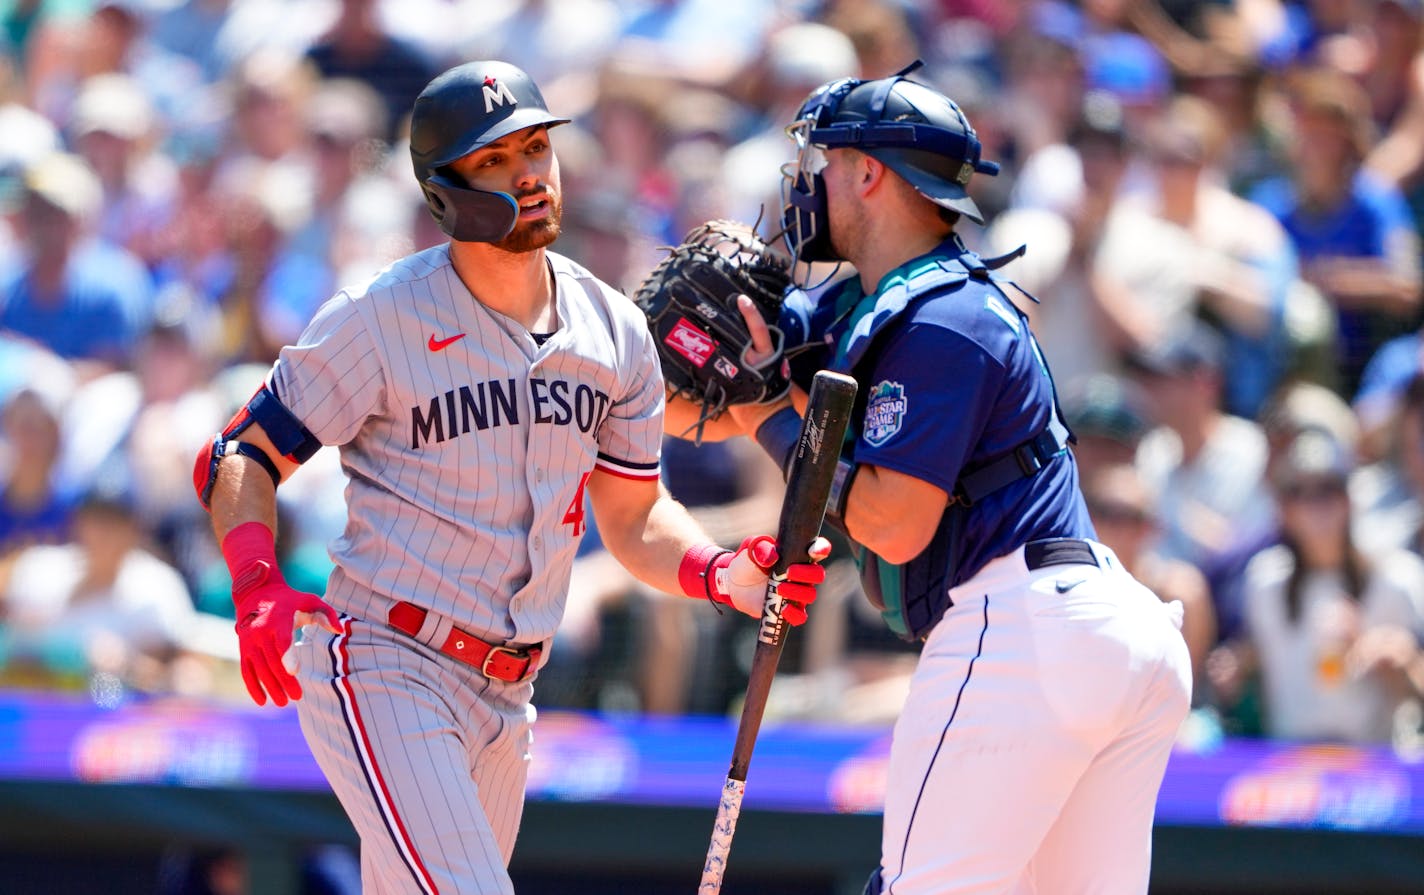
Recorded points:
80,297
1295,407
1333,633
1105,413
1352,231
1129,67
112,128
1207,467
106,37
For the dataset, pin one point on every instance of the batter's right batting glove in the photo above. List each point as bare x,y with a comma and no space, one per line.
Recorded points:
739,578
268,612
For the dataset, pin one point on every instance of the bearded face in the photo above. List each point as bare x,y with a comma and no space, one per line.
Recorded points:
530,235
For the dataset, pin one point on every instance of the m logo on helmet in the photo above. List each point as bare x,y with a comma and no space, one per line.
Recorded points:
496,94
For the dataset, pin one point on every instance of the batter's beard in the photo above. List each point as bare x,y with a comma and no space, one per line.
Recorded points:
528,237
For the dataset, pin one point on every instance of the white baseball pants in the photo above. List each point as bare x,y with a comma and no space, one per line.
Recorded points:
1036,732
428,757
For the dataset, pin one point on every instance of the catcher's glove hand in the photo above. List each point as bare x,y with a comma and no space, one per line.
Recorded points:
690,300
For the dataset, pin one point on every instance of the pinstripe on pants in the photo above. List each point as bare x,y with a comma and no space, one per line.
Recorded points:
419,749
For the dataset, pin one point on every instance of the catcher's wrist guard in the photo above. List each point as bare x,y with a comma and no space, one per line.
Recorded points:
841,481
703,341
778,435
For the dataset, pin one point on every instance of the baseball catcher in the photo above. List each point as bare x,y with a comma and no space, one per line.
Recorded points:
690,300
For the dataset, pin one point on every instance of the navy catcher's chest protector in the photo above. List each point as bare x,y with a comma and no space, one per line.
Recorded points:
912,597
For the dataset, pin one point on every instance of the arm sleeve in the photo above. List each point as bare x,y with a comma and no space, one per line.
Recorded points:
630,438
930,396
332,378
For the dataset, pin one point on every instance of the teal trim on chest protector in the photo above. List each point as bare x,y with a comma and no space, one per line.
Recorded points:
890,580
893,293
891,296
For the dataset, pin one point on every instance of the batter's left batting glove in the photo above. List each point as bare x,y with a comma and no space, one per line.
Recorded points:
739,578
268,612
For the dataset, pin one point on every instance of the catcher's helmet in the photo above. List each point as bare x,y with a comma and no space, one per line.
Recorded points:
468,107
916,131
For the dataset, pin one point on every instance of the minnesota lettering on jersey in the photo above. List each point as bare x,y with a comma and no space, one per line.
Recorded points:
495,403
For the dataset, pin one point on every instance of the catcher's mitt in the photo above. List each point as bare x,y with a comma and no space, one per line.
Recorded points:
690,300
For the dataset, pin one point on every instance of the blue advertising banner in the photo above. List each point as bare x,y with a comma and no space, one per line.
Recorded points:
682,762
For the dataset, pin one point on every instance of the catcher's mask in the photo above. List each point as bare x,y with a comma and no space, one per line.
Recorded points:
464,109
916,131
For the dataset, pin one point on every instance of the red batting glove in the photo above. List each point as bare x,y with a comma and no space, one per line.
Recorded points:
739,579
268,611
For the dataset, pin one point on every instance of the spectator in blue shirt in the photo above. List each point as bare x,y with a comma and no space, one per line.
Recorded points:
80,298
1351,230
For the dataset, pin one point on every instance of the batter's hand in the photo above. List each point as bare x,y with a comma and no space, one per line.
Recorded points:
268,612
741,578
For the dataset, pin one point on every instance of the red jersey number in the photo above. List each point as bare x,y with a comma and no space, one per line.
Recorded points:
574,514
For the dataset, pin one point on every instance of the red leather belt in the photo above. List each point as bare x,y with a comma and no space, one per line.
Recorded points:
504,663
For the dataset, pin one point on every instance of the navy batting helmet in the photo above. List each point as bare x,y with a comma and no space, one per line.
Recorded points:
916,131
468,107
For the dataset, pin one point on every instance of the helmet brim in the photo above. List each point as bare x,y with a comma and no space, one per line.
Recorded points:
517,121
945,195
941,190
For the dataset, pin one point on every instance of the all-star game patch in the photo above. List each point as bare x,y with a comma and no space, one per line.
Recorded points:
884,412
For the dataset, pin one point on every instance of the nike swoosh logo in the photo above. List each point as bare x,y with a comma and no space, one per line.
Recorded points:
439,344
1064,586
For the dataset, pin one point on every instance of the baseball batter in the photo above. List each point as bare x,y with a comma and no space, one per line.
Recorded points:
479,391
1050,686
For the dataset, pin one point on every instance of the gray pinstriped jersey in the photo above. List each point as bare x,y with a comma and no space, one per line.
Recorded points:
466,443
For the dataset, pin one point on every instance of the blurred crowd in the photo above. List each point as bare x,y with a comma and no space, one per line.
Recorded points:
1222,203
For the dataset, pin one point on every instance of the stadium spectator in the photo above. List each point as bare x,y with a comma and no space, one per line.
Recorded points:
101,603
1115,273
1206,467
1352,231
112,127
346,122
1333,632
1105,414
269,91
356,46
33,508
1242,263
80,297
268,287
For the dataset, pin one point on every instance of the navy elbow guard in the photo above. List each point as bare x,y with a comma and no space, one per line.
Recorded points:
287,434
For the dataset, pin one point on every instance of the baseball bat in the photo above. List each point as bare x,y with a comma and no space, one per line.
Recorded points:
808,485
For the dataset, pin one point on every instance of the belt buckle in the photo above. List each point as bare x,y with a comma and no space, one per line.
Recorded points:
489,656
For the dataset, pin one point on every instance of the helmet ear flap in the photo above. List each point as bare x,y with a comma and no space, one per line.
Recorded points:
469,215
436,202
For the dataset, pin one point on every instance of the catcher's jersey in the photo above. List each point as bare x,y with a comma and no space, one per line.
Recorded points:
468,444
